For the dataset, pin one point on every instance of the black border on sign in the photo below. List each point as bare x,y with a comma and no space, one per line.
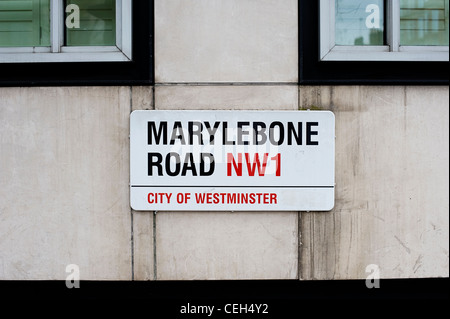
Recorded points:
312,71
137,72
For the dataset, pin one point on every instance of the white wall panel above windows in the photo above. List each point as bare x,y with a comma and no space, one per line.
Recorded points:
226,41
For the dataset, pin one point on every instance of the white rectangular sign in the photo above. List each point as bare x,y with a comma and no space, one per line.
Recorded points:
232,160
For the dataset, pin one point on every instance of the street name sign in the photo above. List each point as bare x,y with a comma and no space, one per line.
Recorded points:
232,160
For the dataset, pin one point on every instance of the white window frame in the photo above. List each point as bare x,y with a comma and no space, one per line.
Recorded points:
329,51
57,52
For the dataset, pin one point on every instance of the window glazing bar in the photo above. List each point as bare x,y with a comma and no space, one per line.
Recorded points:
57,25
393,25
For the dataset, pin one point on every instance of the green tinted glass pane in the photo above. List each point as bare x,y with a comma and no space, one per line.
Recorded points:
97,23
24,23
359,22
424,22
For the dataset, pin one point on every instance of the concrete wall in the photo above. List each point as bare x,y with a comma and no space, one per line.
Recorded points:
64,166
392,184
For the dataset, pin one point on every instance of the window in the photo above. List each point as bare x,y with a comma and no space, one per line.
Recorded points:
76,42
389,30
78,30
376,42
